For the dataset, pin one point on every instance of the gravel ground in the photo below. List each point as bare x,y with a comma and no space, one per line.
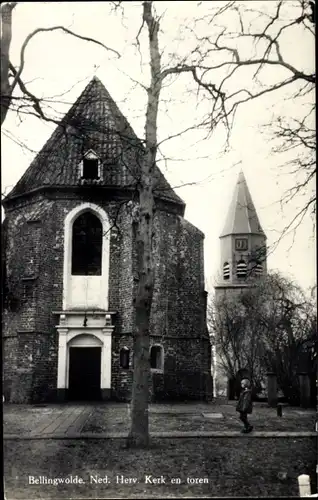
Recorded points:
235,467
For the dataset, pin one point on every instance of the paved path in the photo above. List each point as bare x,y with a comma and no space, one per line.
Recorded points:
89,421
69,422
175,434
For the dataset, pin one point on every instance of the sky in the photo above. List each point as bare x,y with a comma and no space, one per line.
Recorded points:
203,174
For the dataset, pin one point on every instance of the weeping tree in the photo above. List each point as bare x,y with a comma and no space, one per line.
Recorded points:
287,321
236,334
268,327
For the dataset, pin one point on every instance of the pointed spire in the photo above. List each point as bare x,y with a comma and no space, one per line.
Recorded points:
242,217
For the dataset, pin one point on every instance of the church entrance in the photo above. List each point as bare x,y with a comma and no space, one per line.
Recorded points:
84,374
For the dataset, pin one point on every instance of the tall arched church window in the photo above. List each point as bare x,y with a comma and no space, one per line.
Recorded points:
156,357
226,271
87,238
241,269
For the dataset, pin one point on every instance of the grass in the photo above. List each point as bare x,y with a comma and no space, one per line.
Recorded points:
102,420
235,467
116,418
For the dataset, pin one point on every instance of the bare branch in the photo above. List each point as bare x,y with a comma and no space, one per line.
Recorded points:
53,28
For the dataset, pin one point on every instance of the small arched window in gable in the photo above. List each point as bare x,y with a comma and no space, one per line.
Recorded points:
156,357
226,271
124,357
241,269
90,166
87,236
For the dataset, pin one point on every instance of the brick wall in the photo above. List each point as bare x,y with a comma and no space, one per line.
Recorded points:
34,269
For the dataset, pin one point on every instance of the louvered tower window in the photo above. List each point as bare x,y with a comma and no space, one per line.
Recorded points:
258,269
241,269
226,271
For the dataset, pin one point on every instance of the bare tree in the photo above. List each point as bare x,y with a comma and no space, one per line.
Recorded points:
139,431
235,335
12,77
244,64
297,139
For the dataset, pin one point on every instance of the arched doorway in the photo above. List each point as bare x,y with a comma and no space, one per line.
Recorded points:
84,368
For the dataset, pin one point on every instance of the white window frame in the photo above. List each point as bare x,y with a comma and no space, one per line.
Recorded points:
90,155
68,232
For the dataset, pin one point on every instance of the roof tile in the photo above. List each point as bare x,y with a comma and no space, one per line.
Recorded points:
93,122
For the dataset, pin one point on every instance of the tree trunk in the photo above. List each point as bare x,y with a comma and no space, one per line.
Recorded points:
139,434
139,431
6,35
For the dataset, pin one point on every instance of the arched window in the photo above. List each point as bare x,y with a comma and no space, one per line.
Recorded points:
156,357
241,269
124,357
226,271
87,238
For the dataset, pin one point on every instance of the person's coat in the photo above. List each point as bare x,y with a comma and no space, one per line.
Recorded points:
245,404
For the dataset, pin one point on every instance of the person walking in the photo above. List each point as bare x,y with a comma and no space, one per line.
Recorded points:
245,405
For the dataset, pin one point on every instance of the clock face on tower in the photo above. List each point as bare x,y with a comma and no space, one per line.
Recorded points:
241,243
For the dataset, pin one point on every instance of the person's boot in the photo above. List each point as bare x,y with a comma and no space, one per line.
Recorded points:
249,429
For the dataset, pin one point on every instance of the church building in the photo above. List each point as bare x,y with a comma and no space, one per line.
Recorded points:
243,255
70,270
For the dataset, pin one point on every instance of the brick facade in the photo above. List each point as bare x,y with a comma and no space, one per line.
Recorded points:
40,324
34,281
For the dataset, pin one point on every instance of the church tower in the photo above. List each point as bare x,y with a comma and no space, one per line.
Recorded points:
243,260
243,242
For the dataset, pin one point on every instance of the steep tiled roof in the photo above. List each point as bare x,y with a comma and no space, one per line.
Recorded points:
242,217
93,122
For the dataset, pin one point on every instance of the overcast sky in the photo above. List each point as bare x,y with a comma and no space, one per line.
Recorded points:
56,63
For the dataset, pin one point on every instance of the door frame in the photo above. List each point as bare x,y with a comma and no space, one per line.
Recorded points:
101,337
